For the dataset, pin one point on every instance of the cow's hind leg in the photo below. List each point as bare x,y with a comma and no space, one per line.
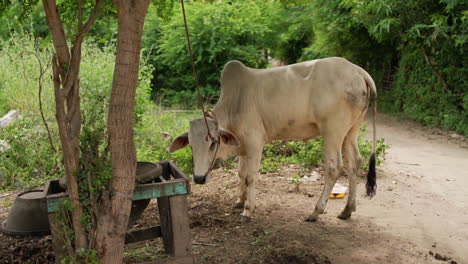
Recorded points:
242,170
352,160
333,166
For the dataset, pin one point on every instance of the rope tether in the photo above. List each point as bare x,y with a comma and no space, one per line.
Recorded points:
195,75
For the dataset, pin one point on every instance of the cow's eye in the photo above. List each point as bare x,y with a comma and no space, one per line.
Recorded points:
212,146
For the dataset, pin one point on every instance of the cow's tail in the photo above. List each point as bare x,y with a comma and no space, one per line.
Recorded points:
371,185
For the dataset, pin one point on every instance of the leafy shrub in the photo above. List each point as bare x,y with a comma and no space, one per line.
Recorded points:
152,144
30,161
19,73
411,48
292,31
221,31
430,80
365,148
280,153
418,95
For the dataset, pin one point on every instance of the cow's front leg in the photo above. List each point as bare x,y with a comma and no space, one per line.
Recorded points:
242,170
253,164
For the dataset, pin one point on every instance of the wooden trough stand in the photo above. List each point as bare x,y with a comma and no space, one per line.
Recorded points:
171,192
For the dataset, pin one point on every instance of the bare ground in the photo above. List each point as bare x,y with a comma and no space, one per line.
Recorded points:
419,214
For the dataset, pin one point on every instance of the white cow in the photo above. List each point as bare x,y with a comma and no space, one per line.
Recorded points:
327,97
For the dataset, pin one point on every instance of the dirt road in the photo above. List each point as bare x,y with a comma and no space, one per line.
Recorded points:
423,191
419,214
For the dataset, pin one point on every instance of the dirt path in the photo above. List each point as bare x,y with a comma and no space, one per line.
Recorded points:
423,194
419,214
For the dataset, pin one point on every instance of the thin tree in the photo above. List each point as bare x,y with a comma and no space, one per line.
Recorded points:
66,70
107,236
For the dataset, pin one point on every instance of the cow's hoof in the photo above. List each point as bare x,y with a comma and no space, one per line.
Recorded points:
245,219
344,215
311,219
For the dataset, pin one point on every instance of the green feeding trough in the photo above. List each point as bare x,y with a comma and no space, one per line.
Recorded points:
29,213
154,180
163,181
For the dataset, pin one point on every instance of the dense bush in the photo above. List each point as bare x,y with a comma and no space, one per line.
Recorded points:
292,31
30,159
222,31
22,16
413,49
417,94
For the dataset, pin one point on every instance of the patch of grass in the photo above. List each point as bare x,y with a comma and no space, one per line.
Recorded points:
145,253
151,142
6,202
30,160
296,179
279,153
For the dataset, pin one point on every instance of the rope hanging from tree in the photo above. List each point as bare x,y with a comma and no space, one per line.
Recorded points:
195,75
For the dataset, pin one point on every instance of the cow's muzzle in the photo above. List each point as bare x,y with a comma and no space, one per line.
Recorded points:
200,179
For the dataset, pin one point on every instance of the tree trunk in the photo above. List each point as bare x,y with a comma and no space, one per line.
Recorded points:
66,67
115,207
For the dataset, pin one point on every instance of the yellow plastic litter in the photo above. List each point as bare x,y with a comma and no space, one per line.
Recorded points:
338,191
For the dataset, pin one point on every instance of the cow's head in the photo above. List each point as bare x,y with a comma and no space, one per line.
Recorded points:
205,150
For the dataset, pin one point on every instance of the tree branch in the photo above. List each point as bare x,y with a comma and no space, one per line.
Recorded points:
92,18
41,75
74,64
42,71
80,14
435,71
56,30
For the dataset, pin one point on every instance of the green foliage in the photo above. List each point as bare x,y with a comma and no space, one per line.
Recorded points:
29,161
411,48
431,79
338,33
417,94
19,74
64,232
19,17
296,179
279,153
220,32
310,153
152,144
273,163
292,32
365,148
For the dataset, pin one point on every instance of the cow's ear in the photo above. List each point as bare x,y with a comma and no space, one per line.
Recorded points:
228,138
179,142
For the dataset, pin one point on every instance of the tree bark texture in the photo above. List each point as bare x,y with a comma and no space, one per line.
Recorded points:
66,66
115,208
66,69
